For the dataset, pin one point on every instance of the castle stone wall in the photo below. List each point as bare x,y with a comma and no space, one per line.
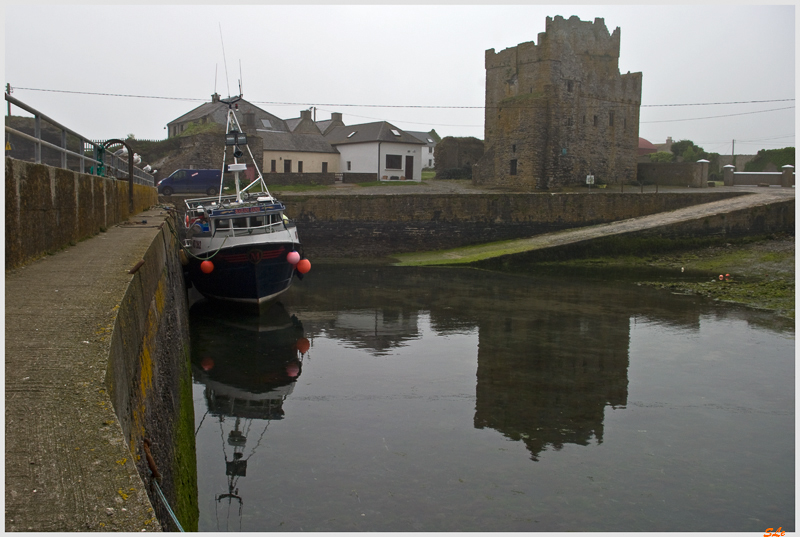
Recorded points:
560,110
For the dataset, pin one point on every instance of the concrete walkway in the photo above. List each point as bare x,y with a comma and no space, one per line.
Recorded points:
68,466
469,254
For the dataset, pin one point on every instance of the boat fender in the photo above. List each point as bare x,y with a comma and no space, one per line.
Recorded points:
303,266
207,267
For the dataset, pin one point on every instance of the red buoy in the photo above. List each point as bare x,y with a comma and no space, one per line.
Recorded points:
207,267
303,345
303,266
207,364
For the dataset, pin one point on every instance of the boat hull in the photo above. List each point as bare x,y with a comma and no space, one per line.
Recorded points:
250,274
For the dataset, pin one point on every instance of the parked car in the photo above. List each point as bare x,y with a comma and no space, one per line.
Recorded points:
190,181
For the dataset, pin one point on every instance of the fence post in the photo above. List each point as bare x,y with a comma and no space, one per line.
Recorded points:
64,146
37,133
787,176
727,174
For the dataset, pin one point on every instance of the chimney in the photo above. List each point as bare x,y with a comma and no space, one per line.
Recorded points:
215,98
336,116
305,114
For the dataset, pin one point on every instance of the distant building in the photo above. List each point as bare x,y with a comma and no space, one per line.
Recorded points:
429,152
560,110
250,117
379,148
302,149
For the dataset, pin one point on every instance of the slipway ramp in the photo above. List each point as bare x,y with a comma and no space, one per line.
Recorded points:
763,210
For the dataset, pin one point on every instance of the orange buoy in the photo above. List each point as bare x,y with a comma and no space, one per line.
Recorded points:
303,345
207,267
303,266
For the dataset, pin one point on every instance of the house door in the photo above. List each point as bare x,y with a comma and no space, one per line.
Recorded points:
409,167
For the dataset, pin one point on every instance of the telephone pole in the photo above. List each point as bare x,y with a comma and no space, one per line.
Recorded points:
733,152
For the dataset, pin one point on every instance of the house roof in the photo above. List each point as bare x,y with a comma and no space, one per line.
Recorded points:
424,137
207,109
645,147
380,131
293,141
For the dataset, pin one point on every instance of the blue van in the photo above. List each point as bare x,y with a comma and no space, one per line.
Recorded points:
190,181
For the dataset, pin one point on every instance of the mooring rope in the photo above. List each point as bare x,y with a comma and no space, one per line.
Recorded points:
166,503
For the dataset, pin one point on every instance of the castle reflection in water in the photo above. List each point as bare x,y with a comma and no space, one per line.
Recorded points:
550,357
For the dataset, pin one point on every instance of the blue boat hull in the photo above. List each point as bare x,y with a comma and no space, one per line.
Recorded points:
247,273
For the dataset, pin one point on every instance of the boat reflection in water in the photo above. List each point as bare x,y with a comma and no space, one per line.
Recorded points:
248,366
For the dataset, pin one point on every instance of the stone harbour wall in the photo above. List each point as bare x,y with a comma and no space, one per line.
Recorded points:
379,225
50,208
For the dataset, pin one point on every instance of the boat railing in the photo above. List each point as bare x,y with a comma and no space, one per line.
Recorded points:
86,156
243,231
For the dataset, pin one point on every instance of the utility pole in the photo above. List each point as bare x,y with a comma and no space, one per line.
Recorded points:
733,152
8,91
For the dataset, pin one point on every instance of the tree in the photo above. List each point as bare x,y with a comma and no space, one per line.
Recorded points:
662,156
687,151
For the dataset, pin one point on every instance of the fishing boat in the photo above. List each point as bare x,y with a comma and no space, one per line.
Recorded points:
241,247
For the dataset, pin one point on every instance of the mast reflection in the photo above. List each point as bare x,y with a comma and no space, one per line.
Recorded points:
249,366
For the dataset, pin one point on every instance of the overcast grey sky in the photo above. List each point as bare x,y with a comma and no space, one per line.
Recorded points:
411,57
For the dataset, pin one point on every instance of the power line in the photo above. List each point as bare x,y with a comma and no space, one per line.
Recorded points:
713,117
280,103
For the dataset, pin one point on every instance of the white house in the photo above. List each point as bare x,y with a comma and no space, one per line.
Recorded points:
379,148
429,151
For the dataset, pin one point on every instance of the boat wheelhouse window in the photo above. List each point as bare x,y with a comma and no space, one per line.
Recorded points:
240,222
225,223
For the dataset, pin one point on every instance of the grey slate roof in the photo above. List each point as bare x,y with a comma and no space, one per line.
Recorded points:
219,110
423,137
292,141
380,131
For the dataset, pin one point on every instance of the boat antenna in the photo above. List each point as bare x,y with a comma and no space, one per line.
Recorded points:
216,67
240,78
224,60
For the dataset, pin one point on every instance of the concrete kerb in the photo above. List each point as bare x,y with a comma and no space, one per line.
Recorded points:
68,465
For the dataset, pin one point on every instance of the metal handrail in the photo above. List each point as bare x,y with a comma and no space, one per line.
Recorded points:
116,164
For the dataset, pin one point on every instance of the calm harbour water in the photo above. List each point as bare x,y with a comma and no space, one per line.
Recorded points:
464,400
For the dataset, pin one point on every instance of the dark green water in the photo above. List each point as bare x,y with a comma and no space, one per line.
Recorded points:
463,400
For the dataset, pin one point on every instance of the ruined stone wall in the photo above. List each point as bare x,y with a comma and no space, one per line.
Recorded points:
560,110
457,153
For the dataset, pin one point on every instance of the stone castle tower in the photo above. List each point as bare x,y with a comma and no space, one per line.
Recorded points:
560,110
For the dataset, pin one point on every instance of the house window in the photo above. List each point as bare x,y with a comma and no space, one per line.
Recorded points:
394,162
324,167
348,165
513,170
287,166
430,163
274,166
611,118
430,150
299,166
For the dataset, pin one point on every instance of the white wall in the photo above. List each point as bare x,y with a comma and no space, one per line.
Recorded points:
364,158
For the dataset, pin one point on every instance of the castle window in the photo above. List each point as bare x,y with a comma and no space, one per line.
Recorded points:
513,170
513,148
569,121
611,118
595,121
624,123
569,86
584,120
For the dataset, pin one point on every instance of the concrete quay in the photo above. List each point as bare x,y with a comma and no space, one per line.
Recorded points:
68,466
